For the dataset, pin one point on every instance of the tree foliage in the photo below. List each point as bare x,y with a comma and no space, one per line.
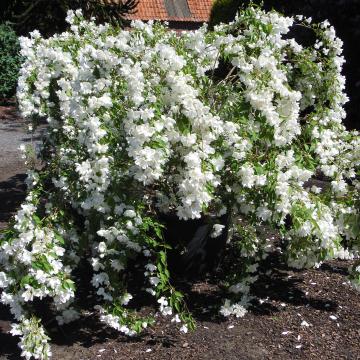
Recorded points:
48,16
9,61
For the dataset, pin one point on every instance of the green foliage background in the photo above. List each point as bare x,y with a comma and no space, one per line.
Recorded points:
224,11
9,61
48,16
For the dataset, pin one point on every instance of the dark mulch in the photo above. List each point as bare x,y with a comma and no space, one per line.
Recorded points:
271,330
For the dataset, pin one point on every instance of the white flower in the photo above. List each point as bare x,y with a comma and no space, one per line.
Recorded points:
4,282
217,230
130,213
151,291
28,294
154,280
247,176
315,189
239,288
150,267
126,298
184,329
339,186
162,301
102,247
96,264
117,264
263,213
176,319
239,310
226,309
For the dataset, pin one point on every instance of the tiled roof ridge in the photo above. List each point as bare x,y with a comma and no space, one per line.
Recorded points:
156,10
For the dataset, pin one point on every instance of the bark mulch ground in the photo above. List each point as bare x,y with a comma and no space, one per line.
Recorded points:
309,314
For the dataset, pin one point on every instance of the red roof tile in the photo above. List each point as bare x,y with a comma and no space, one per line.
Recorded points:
149,9
200,9
156,10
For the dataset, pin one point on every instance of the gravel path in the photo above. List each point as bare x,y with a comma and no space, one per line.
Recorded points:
13,133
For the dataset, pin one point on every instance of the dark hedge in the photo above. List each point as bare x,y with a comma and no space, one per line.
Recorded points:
9,62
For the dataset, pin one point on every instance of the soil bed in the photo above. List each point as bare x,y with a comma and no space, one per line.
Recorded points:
309,314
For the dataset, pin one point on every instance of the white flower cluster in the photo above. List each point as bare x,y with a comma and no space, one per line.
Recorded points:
34,341
236,309
42,271
146,121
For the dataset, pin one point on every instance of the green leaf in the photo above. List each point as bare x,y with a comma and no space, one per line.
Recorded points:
158,233
26,280
37,219
68,284
60,239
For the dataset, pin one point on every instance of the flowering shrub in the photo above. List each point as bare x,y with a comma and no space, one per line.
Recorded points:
239,120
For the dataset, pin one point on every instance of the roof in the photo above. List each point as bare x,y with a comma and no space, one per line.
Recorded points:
201,9
172,10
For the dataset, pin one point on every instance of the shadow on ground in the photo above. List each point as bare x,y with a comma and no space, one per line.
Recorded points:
12,193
